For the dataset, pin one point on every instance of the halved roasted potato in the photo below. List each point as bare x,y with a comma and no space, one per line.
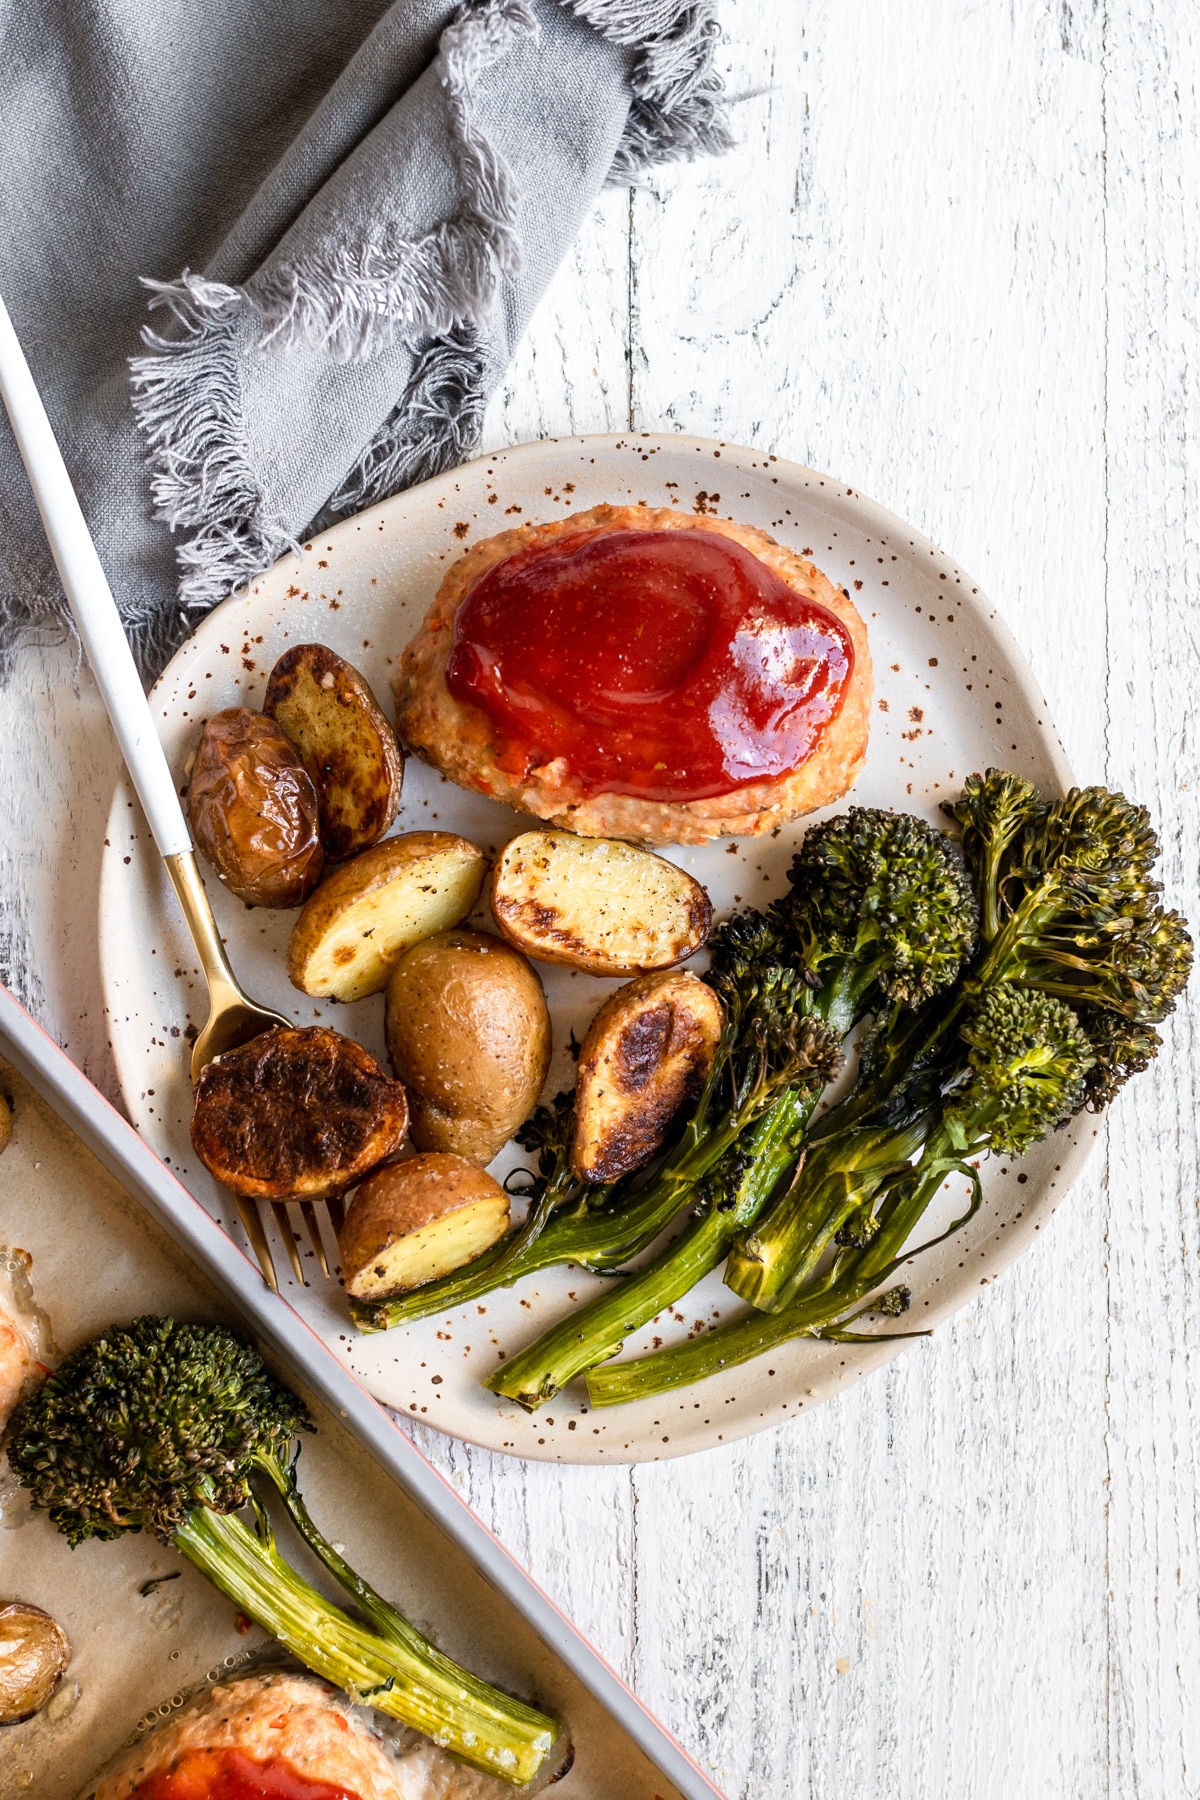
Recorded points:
469,1036
6,1124
34,1652
325,707
412,1221
364,916
296,1115
597,904
646,1054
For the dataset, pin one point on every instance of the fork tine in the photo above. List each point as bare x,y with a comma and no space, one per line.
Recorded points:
309,1215
252,1225
337,1214
284,1221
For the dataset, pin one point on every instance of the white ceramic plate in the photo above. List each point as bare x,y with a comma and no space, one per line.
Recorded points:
953,695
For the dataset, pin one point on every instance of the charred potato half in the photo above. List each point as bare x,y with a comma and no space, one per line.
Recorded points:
34,1653
412,1221
252,808
6,1124
469,1036
349,749
296,1115
597,904
646,1055
365,915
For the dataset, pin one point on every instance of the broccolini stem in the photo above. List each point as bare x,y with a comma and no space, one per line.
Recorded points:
406,1678
822,1309
841,1177
592,1333
597,1237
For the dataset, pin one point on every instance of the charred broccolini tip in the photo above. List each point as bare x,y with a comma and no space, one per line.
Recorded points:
547,1132
1028,1059
880,904
1121,1048
1071,901
163,1426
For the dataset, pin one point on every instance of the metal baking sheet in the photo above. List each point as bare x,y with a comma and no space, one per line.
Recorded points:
113,1234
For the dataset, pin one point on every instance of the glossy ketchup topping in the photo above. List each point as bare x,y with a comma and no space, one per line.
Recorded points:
669,665
229,1775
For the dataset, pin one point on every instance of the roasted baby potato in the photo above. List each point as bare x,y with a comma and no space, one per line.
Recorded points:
365,915
34,1653
646,1055
253,810
597,904
412,1221
296,1115
469,1036
349,749
6,1124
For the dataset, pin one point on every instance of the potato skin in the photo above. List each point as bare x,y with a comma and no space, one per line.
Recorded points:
252,809
34,1652
469,1036
328,711
597,904
296,1114
646,1054
399,1207
363,917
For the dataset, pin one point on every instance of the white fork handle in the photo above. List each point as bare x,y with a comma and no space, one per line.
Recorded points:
87,590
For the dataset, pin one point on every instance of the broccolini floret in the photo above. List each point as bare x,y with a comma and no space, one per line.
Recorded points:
163,1426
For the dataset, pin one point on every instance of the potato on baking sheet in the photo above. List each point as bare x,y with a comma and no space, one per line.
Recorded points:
646,1054
412,1221
469,1036
253,810
597,904
34,1653
364,916
296,1115
330,714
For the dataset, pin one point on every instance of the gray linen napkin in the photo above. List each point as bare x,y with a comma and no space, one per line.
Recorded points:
344,215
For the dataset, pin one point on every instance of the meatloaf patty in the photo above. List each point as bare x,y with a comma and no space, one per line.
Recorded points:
459,738
290,1719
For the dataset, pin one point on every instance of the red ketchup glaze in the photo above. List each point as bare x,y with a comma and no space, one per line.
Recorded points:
669,665
229,1775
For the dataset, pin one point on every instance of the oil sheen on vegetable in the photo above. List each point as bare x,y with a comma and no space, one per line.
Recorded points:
230,1775
667,665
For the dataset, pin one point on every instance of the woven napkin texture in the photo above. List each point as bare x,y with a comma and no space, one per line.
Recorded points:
340,217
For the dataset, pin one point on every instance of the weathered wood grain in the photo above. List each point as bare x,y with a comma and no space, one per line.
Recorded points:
1152,435
953,261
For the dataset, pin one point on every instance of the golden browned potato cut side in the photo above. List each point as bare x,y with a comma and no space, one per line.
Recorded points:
597,904
646,1054
469,1036
412,1221
297,1114
458,739
364,916
328,711
289,1719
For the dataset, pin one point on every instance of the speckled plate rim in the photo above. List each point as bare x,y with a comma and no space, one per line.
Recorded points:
725,1414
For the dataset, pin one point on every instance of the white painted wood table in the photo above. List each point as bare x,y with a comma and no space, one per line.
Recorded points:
956,262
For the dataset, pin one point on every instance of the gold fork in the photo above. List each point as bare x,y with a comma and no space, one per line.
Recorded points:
233,1018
